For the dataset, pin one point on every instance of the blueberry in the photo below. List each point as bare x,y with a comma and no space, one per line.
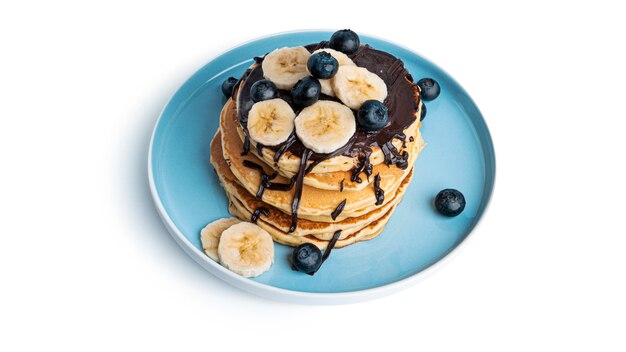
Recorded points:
423,112
307,258
263,90
429,89
306,91
228,85
372,116
345,41
322,65
450,202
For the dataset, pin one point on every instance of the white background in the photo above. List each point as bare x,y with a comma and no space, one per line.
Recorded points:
86,264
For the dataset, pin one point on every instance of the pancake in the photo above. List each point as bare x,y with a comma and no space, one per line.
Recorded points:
368,232
281,221
314,202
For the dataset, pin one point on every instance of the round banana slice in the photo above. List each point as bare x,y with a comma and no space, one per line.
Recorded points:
325,126
270,122
342,59
286,66
354,85
246,249
211,233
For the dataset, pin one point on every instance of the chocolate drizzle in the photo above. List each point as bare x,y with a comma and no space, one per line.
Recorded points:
338,210
246,145
257,212
411,139
331,245
329,248
283,148
266,180
379,192
259,59
296,196
394,157
364,165
259,149
341,186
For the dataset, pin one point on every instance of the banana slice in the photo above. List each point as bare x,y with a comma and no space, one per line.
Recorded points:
286,66
270,122
211,233
354,85
325,126
342,59
246,249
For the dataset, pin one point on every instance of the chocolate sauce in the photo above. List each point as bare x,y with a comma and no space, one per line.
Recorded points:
304,158
380,194
259,149
265,178
338,210
341,186
283,148
364,165
259,59
331,245
329,248
401,103
257,212
394,157
401,136
246,145
275,186
411,139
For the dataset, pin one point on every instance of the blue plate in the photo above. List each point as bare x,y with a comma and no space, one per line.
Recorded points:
459,154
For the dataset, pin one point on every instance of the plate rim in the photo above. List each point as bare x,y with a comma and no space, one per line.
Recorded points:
293,296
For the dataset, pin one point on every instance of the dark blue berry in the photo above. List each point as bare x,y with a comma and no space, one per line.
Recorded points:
322,65
307,258
306,91
372,116
263,90
228,85
423,112
345,41
450,202
429,89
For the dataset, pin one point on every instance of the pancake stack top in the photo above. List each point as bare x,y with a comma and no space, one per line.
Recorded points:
307,171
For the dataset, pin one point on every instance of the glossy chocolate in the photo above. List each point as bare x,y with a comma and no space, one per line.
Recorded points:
331,245
338,210
257,212
379,192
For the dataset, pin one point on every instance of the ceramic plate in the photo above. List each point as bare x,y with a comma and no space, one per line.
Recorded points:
459,154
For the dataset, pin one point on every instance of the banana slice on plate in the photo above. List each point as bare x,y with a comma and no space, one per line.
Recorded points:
286,66
325,126
354,85
211,233
342,59
270,122
246,249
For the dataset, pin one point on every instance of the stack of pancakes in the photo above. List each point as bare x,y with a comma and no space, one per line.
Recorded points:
322,192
